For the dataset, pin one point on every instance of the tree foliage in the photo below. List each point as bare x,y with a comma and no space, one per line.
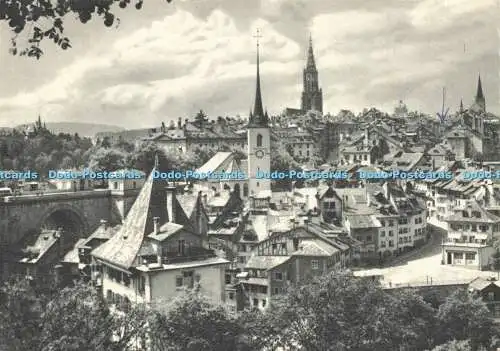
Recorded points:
192,323
43,151
108,160
465,317
75,318
340,312
333,312
454,345
44,20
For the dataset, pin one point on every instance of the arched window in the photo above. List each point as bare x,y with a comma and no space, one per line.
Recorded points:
245,189
259,140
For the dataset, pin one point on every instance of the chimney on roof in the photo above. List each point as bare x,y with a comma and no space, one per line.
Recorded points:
58,233
156,224
171,199
367,137
104,223
179,123
385,187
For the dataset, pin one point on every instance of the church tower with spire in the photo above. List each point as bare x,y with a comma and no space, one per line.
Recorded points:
312,95
480,101
259,141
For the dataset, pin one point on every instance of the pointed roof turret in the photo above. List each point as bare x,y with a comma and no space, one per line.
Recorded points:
311,63
258,117
479,104
479,93
461,105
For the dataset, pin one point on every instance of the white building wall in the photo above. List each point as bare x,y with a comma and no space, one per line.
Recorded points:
212,283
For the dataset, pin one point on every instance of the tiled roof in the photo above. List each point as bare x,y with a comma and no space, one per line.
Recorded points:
72,255
259,226
43,243
457,133
187,202
387,137
122,249
315,247
216,162
473,205
165,231
363,221
103,232
220,200
266,262
480,283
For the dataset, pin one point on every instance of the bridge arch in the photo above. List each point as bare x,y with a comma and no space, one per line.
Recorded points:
70,218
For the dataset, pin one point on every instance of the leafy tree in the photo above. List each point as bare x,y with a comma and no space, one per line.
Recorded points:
260,330
75,318
416,320
143,158
44,150
465,317
105,143
454,345
108,160
42,162
204,154
124,145
45,20
191,323
340,312
201,118
20,310
496,258
335,312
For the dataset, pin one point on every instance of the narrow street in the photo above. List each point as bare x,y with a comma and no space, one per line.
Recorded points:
432,247
424,266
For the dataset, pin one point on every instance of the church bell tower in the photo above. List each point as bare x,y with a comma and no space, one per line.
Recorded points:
259,141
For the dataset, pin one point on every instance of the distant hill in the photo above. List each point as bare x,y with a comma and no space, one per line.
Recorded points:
83,129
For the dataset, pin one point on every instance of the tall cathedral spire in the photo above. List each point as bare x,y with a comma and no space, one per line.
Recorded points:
312,95
258,117
310,55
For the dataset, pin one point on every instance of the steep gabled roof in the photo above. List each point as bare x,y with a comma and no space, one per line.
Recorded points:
122,249
266,262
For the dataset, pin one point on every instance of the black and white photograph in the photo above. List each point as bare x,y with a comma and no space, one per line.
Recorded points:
249,175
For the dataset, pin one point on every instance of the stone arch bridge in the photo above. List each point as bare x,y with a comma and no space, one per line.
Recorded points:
78,213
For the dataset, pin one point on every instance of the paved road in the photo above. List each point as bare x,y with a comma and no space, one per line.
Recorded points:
432,247
423,266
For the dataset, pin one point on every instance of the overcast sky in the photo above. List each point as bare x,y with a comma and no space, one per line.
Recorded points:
170,60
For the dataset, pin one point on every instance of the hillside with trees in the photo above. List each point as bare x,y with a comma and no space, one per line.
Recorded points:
334,312
42,150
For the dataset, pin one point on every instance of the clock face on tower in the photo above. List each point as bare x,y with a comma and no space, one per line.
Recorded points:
259,153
